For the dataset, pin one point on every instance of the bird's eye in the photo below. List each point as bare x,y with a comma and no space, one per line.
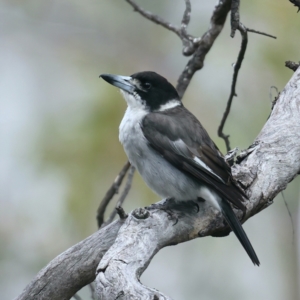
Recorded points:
147,85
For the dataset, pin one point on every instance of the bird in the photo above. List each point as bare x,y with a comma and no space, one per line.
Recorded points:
173,152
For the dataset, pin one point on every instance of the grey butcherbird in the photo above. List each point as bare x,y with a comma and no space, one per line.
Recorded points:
172,151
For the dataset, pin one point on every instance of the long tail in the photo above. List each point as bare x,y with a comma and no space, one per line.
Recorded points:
237,228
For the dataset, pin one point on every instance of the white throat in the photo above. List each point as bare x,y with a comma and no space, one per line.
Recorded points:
134,101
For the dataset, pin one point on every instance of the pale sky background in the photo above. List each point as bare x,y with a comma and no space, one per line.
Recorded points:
60,152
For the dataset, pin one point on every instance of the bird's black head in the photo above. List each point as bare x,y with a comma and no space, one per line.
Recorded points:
147,90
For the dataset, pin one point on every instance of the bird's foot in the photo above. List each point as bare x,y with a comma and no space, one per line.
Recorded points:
169,207
176,209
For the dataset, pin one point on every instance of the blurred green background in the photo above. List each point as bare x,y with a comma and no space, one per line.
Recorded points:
60,152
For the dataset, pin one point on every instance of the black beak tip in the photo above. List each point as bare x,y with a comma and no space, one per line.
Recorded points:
106,77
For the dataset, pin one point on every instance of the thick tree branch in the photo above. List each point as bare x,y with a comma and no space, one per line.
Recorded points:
264,170
73,269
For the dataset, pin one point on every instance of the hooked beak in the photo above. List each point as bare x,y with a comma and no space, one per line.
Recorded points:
122,82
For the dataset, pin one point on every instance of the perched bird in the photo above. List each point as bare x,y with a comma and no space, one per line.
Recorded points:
172,151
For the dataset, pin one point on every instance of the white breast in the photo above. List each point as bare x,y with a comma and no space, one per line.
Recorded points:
160,176
131,135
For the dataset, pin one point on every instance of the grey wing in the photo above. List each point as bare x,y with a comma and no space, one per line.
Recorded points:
184,143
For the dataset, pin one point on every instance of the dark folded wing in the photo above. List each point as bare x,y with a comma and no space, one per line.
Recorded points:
180,138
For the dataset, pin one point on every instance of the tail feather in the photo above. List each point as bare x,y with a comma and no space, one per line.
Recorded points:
237,228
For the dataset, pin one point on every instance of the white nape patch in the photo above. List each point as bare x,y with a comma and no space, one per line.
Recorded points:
134,101
170,104
202,164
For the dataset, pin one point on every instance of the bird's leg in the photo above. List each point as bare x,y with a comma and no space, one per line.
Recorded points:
175,209
168,206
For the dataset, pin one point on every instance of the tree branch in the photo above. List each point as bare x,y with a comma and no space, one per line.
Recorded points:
263,171
292,65
122,197
237,66
204,44
188,40
73,269
296,3
110,193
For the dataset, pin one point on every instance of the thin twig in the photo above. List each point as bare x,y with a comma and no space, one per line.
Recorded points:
292,65
235,16
273,101
121,212
92,288
122,197
77,297
289,212
188,41
261,33
110,193
296,3
186,18
243,30
154,18
204,44
189,44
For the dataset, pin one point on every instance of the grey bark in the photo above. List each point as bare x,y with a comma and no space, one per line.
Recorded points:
125,247
73,269
264,170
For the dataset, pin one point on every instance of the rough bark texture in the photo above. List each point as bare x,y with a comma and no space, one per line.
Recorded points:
265,170
125,248
73,269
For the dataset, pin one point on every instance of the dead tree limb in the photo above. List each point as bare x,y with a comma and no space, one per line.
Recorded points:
73,269
272,162
114,189
204,44
125,247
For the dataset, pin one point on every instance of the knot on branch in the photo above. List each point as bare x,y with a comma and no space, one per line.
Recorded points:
141,213
292,65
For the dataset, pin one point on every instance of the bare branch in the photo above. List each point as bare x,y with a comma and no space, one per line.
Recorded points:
73,269
237,66
186,18
110,193
292,65
264,171
203,45
122,197
290,215
296,3
187,39
235,16
271,165
261,33
121,212
77,297
154,18
92,288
